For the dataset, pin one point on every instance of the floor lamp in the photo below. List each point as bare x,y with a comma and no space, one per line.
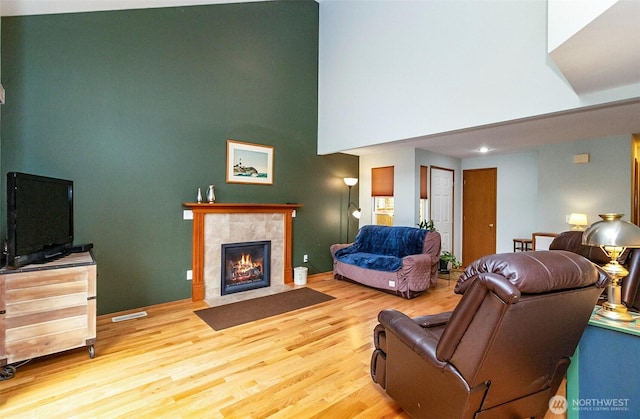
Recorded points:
351,182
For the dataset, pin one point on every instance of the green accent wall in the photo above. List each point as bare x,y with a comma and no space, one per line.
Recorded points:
136,106
1,213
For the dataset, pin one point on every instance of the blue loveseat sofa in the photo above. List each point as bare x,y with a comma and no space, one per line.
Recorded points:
400,260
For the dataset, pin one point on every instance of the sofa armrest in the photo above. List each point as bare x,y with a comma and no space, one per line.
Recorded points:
335,247
414,336
420,259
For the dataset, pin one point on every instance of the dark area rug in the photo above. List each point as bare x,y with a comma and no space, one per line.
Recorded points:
229,315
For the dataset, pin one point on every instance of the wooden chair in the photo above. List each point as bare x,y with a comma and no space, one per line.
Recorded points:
541,241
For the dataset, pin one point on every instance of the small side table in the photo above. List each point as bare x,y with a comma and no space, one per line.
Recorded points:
453,273
522,245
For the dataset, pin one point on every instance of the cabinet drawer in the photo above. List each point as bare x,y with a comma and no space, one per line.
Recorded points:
47,310
21,307
40,345
49,277
43,317
29,331
44,292
49,285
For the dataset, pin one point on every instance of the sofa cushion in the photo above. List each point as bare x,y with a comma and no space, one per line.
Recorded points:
382,247
373,261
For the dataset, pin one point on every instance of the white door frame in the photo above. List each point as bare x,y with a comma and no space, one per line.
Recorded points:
441,203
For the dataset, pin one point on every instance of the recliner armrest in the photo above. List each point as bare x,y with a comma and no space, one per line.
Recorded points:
414,336
433,320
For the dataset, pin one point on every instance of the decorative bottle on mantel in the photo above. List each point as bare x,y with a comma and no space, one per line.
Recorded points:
199,197
211,195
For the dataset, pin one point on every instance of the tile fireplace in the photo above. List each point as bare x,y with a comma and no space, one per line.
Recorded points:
219,223
245,266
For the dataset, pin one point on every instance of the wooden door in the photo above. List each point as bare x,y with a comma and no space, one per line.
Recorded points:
479,188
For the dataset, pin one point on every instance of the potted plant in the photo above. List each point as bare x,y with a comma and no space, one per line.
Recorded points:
427,225
449,261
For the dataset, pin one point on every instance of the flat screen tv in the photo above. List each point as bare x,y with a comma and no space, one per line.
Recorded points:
39,218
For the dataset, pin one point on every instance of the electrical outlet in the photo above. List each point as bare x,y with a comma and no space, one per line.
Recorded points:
305,258
189,275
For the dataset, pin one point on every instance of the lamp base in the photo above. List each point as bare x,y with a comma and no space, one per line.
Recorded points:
615,312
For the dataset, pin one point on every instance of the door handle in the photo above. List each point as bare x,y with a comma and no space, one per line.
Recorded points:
491,225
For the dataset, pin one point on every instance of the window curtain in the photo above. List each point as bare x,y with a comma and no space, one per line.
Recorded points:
382,181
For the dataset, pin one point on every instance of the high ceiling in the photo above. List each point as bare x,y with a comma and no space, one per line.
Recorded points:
616,63
603,55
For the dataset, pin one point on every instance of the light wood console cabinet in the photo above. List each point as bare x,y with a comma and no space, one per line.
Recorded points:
48,308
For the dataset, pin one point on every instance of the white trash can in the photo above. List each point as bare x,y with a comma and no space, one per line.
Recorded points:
300,275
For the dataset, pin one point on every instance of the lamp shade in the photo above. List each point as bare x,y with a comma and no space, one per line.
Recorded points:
612,231
578,219
350,181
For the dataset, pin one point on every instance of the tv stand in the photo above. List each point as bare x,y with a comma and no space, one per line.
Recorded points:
80,248
50,258
48,308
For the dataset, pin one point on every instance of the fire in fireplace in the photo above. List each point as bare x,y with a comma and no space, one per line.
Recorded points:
246,266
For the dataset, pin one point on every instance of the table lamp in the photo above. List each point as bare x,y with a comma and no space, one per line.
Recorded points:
613,235
578,220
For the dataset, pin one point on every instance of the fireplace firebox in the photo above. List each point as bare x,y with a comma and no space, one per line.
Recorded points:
245,266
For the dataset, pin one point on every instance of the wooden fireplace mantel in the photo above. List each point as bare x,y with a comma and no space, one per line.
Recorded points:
199,212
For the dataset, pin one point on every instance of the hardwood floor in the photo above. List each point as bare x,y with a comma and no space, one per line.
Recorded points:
310,363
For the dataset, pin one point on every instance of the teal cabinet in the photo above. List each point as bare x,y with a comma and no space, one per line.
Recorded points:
603,380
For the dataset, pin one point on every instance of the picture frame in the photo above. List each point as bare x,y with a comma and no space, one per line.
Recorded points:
249,163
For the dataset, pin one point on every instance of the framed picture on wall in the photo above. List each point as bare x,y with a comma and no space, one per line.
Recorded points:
249,163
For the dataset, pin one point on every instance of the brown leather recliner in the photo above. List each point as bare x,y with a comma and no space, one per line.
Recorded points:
505,348
630,295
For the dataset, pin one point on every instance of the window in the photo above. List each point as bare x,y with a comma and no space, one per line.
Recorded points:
383,210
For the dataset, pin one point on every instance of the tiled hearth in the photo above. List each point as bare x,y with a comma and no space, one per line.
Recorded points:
215,224
248,295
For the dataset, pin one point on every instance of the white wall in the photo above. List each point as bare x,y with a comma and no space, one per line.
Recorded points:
517,194
391,70
425,158
407,164
536,189
404,188
601,186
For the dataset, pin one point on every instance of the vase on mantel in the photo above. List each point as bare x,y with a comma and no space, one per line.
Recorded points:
211,195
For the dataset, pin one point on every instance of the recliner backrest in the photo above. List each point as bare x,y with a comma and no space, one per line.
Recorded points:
572,241
630,293
519,320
